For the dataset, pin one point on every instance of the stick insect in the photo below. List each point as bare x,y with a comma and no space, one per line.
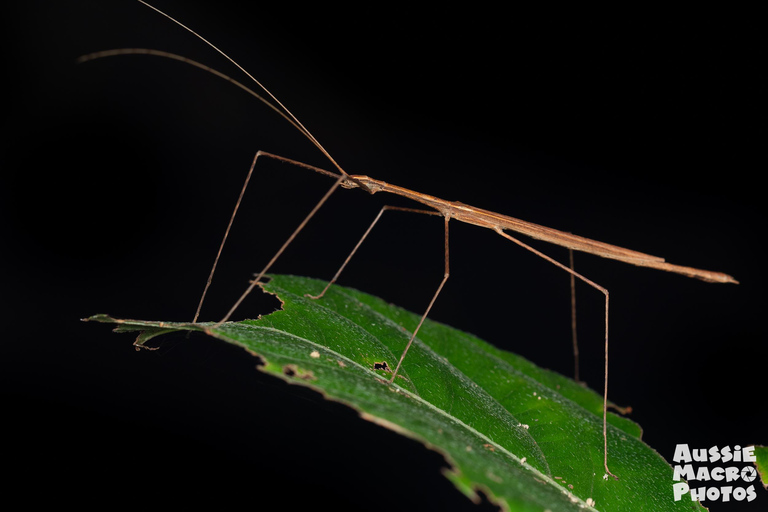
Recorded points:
450,210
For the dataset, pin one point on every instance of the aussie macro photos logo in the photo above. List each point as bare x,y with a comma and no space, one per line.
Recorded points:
720,474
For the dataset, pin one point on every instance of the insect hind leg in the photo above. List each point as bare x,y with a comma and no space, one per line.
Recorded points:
605,293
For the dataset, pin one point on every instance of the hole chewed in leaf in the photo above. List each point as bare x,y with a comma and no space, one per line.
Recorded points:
293,371
512,465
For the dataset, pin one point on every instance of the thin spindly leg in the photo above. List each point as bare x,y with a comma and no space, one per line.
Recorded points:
573,319
226,234
434,297
605,292
365,235
339,179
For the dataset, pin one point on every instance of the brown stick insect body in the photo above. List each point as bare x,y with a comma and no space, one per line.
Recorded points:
447,209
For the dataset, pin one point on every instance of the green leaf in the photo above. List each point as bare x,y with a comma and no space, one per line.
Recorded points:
530,439
761,454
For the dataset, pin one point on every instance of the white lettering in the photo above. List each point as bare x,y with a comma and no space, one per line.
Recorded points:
748,473
698,494
682,453
702,473
679,490
683,472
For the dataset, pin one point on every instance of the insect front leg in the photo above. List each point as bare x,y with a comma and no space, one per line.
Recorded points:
339,179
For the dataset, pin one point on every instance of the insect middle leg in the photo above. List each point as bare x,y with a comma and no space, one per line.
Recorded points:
434,297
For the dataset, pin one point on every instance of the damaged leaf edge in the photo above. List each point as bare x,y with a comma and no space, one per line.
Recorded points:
465,485
761,463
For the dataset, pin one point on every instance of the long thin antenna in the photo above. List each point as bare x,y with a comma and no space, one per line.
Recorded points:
181,58
295,121
274,104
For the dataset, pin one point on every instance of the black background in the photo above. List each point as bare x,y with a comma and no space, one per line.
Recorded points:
641,129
